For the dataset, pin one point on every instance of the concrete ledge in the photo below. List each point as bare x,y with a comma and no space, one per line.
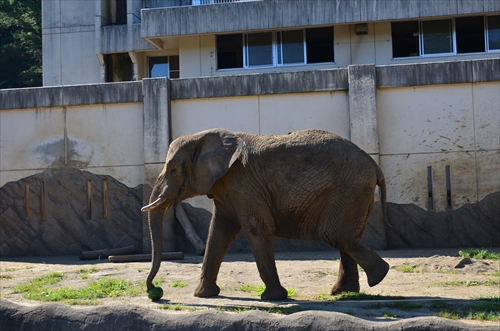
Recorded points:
275,14
458,72
259,84
71,95
126,317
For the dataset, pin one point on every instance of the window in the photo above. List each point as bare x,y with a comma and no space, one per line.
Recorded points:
272,49
470,34
259,49
405,37
319,45
164,66
119,67
116,12
230,51
459,35
437,37
493,32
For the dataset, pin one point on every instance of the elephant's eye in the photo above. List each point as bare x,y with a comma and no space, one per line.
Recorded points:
173,171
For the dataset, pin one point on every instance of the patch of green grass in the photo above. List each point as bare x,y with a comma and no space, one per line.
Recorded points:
257,290
142,269
84,272
354,296
479,253
489,282
157,281
39,282
404,305
406,268
4,276
495,274
388,315
271,310
486,309
445,271
178,284
177,307
323,297
37,289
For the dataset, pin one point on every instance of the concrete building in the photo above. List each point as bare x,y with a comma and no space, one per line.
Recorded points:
416,84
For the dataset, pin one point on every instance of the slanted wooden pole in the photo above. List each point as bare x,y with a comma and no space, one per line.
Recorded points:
190,231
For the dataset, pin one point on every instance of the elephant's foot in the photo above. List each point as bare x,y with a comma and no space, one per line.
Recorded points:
342,286
206,290
376,273
274,293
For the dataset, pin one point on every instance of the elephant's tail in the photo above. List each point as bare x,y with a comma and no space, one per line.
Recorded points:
383,194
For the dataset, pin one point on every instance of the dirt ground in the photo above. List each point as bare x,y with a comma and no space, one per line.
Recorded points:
439,279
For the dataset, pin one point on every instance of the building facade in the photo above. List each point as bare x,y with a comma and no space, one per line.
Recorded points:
416,84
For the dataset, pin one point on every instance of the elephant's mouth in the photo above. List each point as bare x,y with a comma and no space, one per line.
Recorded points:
158,202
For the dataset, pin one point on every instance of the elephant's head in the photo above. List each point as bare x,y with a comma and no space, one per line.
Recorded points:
192,166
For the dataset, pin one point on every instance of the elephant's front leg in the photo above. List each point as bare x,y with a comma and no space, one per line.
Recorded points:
221,233
262,246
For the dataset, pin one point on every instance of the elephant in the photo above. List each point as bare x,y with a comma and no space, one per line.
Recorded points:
311,185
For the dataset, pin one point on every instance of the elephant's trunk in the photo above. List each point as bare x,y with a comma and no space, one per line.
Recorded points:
155,217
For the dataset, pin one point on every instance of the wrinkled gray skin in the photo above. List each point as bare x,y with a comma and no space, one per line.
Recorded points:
310,185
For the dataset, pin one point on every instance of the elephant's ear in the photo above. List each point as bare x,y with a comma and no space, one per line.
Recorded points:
213,156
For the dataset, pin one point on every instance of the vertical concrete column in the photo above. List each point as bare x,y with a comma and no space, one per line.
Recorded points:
363,108
157,137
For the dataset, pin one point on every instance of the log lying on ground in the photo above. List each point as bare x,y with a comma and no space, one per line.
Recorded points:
191,234
103,253
145,257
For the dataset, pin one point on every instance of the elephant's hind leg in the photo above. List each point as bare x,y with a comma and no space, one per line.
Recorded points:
348,278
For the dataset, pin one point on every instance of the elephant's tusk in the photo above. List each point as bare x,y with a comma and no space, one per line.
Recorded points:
152,205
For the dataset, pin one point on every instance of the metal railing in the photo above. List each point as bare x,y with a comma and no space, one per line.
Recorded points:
209,2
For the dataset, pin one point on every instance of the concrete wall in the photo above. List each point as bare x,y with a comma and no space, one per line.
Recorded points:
408,117
275,14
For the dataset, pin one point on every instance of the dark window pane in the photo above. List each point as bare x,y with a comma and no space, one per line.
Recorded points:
494,31
158,66
437,36
119,67
292,43
229,51
260,49
405,39
319,45
174,62
470,34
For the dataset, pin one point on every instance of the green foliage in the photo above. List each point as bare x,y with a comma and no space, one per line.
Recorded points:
179,284
354,296
20,43
38,289
489,282
479,253
257,290
407,268
487,309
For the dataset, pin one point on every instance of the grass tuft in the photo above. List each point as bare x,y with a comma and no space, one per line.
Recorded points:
479,253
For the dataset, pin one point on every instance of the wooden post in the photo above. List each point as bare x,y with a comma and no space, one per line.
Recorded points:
145,257
103,253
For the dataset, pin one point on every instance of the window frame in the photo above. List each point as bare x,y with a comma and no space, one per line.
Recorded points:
148,68
276,62
454,52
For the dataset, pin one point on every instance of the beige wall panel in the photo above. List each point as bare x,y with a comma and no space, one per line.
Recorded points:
51,57
291,112
189,56
342,42
31,139
208,55
234,114
15,175
105,135
488,173
128,175
487,115
425,119
406,177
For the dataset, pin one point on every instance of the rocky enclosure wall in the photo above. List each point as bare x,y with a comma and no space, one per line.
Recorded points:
66,211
